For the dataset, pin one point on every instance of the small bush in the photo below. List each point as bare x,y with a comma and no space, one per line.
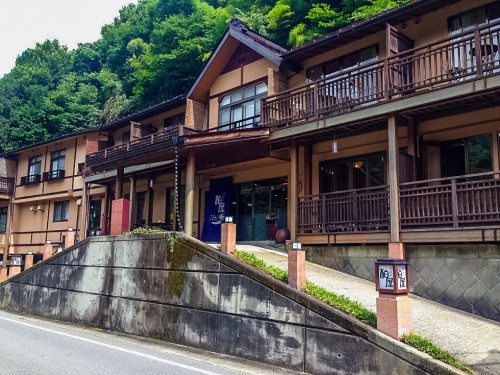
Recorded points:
427,346
253,261
145,230
342,303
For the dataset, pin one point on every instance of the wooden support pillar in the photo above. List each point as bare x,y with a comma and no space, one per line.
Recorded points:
119,183
189,207
133,203
393,155
8,234
85,205
307,177
413,146
293,190
150,202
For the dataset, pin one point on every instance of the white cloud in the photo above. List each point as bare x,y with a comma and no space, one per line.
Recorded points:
23,23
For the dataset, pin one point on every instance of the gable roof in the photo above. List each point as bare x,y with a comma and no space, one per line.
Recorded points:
237,33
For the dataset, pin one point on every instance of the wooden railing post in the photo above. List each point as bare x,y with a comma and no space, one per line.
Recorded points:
354,208
478,52
386,79
454,202
316,99
323,214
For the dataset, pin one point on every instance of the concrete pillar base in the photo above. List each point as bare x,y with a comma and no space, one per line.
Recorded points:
70,238
28,261
394,316
14,270
47,250
296,268
120,216
3,273
397,250
228,238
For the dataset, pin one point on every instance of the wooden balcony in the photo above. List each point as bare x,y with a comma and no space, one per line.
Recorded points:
362,210
6,185
444,63
138,149
462,202
457,202
31,179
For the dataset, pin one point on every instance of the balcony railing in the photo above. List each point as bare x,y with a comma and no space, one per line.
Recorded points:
246,123
362,210
445,62
6,185
138,147
462,201
31,179
445,203
57,174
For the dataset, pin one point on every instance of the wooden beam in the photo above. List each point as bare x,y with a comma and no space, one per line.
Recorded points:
393,155
189,207
133,202
293,189
119,183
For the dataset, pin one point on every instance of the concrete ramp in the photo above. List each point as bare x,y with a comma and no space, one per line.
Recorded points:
175,288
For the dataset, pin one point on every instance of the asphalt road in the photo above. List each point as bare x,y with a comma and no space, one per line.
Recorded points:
34,346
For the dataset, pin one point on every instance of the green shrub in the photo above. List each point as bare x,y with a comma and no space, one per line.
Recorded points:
145,230
253,261
342,303
427,346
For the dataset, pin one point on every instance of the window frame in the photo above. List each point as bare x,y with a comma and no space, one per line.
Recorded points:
340,62
32,163
236,103
61,211
4,211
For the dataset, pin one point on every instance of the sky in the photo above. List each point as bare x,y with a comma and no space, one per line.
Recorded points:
23,23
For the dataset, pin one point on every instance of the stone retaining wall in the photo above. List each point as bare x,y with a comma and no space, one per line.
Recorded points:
466,277
185,292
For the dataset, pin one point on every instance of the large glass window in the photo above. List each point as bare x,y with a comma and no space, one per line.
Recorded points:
241,109
61,211
473,18
3,219
354,173
466,156
173,121
57,159
357,59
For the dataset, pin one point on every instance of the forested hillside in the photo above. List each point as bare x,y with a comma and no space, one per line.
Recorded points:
151,52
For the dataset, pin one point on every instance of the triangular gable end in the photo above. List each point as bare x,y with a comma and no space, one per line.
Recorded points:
237,39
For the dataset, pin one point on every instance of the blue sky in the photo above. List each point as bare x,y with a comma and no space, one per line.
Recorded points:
23,23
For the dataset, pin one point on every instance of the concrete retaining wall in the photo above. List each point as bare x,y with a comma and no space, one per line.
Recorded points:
466,277
191,294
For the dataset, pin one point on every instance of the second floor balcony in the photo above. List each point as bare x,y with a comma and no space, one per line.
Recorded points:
6,185
138,150
445,63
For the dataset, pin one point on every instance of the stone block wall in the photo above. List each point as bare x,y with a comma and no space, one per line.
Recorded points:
185,292
466,277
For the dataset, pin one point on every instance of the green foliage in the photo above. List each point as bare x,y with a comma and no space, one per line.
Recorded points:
427,346
253,261
342,303
145,230
152,51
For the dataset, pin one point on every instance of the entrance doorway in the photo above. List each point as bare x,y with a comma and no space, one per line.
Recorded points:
259,208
